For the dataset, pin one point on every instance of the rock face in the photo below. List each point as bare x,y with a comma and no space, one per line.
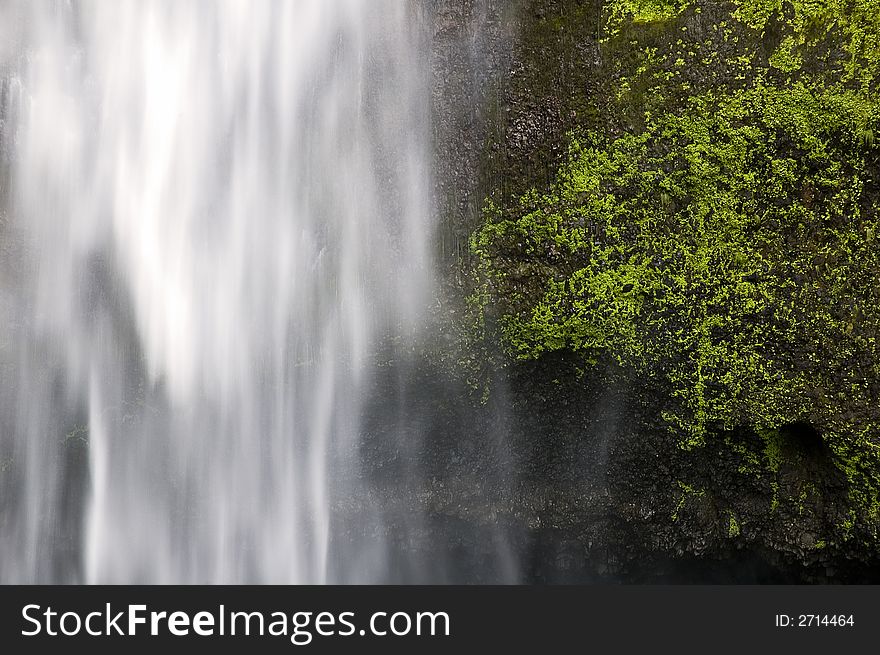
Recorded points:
561,467
570,448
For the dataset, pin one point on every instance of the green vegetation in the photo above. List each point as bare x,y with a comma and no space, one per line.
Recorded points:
717,232
687,492
733,529
644,11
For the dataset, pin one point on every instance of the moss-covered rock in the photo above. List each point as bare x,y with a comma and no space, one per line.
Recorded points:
711,227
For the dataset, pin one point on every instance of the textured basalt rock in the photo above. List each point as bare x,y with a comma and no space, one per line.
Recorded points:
604,489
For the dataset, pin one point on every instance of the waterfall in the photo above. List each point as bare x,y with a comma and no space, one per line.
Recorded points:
216,222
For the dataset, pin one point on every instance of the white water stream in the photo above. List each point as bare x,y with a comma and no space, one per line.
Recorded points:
220,207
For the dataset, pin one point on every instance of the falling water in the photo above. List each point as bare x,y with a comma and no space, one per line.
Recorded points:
214,214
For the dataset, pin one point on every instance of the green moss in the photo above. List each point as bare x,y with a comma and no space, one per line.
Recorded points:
755,13
772,448
733,528
643,11
774,498
688,283
802,502
716,233
852,25
786,57
751,464
687,492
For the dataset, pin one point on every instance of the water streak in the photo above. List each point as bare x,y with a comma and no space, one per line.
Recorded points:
222,207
